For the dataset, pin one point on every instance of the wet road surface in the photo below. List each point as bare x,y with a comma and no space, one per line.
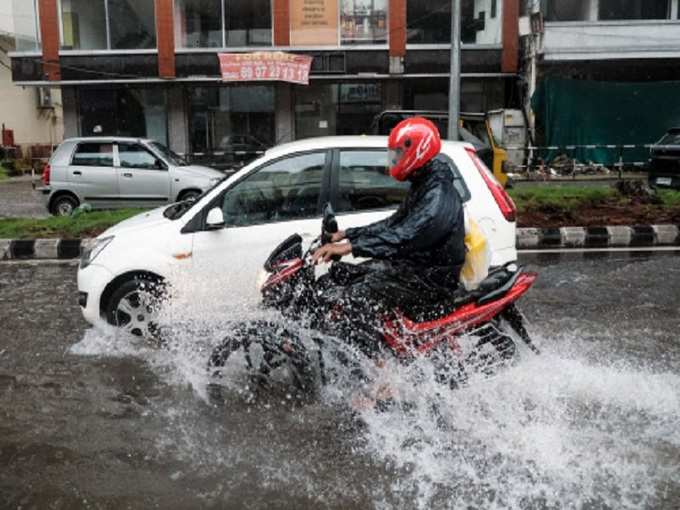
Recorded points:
91,420
18,200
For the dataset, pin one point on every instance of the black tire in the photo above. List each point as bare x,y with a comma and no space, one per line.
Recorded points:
191,194
133,307
262,350
63,205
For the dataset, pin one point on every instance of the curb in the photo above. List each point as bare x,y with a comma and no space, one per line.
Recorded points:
527,238
598,237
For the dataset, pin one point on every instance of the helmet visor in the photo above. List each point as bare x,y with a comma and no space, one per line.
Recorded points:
394,157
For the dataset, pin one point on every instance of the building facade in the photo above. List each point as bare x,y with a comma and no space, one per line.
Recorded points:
33,115
150,67
616,66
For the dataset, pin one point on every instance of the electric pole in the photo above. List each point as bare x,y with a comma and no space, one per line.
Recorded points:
454,83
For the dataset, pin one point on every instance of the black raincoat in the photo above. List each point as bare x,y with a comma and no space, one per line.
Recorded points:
417,256
425,235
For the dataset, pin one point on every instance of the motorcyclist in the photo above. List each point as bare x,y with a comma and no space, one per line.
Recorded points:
420,247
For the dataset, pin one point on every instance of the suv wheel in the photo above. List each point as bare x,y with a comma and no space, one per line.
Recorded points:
134,306
64,205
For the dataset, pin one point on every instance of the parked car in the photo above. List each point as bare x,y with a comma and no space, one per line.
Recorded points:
233,227
110,173
664,161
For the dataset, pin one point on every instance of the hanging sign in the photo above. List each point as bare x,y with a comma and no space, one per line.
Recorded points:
265,66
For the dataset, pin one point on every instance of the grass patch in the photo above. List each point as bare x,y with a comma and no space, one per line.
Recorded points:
670,198
3,173
563,197
84,225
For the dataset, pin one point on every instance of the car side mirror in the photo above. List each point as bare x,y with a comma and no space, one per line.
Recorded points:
160,165
215,219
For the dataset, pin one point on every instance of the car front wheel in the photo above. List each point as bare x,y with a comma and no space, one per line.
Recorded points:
134,307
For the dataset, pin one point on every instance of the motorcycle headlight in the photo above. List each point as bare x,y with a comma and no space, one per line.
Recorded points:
93,251
262,277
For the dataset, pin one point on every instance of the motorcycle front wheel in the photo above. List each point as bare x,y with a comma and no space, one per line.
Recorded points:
268,358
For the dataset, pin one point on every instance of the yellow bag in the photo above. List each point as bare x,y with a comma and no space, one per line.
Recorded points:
477,256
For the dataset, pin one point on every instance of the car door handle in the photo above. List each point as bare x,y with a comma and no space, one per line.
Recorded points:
77,172
126,174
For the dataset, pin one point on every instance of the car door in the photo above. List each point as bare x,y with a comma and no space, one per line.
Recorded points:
363,190
92,175
143,178
278,199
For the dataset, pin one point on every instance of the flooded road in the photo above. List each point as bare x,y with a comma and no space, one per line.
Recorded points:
92,420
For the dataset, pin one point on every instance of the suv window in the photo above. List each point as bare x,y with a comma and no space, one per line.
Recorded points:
365,184
93,154
132,155
287,189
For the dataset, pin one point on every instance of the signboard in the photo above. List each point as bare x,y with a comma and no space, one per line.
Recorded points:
313,22
265,66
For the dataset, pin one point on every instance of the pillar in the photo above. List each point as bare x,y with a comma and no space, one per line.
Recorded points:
49,35
285,117
178,120
69,101
510,36
165,38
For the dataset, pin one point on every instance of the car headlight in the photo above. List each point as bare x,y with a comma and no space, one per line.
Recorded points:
93,251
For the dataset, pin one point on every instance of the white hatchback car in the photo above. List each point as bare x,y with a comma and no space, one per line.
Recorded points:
235,225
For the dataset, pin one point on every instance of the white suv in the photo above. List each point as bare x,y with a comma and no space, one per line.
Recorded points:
109,173
234,226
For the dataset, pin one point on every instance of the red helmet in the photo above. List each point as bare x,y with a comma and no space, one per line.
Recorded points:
412,143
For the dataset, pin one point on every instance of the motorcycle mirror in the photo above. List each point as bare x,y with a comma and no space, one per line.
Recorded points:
329,224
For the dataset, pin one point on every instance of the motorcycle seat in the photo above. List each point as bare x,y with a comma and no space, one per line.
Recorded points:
424,311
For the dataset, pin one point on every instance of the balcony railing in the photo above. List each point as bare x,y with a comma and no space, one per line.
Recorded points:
600,40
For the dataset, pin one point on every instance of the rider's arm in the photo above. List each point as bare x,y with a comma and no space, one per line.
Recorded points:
429,221
376,227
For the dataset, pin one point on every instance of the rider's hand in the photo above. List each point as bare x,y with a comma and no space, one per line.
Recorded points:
326,252
338,236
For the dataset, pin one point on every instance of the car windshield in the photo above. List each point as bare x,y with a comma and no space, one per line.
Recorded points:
671,138
170,156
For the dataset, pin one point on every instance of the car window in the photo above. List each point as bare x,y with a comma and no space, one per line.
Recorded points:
458,180
132,155
287,189
672,138
93,154
364,182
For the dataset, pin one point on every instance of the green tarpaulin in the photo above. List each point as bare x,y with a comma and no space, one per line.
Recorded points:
579,112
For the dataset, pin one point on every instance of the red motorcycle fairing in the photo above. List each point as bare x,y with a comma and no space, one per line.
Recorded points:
407,337
283,271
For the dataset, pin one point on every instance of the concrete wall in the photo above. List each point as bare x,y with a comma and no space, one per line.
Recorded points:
19,110
492,26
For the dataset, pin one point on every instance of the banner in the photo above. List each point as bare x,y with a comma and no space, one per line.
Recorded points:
265,66
314,22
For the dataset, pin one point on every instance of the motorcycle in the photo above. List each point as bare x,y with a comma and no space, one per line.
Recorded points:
470,332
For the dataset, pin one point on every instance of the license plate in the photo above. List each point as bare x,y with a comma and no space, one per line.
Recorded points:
664,181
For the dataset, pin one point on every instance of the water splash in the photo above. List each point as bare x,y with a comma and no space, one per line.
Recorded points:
570,428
